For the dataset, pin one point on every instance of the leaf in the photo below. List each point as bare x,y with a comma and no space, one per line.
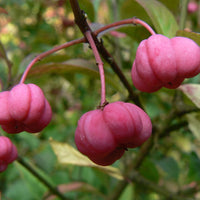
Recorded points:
193,167
162,18
131,8
33,184
128,193
88,8
192,91
194,124
73,66
189,34
66,154
149,170
75,186
172,5
170,167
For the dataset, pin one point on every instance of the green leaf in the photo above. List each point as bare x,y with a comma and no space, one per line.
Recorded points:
73,66
192,35
149,170
88,8
35,188
169,167
161,17
66,155
193,166
192,91
131,8
194,124
128,193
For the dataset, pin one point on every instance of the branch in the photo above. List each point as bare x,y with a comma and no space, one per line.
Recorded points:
137,178
81,21
52,189
46,53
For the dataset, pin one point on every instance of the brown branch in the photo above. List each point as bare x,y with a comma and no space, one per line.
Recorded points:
137,178
51,188
81,21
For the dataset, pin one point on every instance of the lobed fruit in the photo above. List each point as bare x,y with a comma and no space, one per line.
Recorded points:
163,62
24,108
104,135
8,152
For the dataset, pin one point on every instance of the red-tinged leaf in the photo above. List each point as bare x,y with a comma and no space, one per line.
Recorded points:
161,17
3,11
75,186
192,91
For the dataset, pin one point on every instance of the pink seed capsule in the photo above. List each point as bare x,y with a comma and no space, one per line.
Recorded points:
163,62
104,135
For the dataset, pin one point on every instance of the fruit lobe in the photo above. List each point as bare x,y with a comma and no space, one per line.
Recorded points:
8,152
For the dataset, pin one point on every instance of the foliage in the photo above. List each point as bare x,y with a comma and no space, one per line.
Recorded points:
70,81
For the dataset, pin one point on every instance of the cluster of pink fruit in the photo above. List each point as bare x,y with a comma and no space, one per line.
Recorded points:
23,108
104,135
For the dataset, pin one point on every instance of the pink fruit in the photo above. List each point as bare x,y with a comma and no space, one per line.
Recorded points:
192,7
163,62
25,108
8,152
104,135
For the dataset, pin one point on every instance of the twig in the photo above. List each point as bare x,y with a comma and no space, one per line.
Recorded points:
81,21
46,53
44,181
117,24
100,65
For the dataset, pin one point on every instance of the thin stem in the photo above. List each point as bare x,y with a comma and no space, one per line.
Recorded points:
83,26
118,24
100,65
44,181
46,53
183,15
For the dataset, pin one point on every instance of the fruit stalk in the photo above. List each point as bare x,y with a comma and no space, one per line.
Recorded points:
46,53
118,24
100,66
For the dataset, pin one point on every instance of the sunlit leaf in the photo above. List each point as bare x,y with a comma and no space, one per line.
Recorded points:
128,193
192,91
66,155
189,34
162,18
